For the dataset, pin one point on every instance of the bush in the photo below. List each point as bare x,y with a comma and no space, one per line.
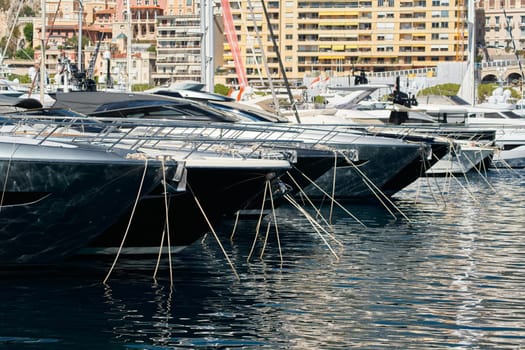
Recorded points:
140,87
485,91
221,89
319,99
23,79
441,90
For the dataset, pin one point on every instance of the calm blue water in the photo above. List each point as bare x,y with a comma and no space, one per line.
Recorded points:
452,276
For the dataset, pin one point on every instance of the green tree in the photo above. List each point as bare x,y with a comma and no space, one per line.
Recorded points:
25,54
28,33
73,42
27,12
11,47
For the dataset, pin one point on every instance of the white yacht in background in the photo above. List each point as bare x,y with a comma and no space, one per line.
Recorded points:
9,88
509,128
346,114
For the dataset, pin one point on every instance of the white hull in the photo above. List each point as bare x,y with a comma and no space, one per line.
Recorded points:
511,148
468,158
514,158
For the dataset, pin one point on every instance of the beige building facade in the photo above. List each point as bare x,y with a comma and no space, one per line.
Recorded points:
503,28
314,38
338,37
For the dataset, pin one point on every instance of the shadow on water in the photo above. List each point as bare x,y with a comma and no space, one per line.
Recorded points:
451,276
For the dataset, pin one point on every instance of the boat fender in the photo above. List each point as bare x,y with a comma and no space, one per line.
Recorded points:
180,176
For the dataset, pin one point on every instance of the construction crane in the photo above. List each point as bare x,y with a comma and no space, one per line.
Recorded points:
93,60
231,36
460,30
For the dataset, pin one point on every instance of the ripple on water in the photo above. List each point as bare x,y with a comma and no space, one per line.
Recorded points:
450,277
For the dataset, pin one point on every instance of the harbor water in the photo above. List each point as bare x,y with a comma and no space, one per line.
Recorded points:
443,269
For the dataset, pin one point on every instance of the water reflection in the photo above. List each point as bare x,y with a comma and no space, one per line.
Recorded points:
452,277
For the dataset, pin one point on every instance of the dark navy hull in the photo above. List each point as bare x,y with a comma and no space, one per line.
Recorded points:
220,191
417,168
372,167
50,208
310,165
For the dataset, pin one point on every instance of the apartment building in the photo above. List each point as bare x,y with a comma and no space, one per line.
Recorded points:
340,36
178,49
329,38
503,27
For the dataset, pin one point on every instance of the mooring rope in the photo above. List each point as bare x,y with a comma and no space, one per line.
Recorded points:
214,233
159,254
317,210
266,239
465,176
237,215
333,188
436,183
466,189
479,170
312,221
335,201
276,227
257,227
129,222
166,230
377,191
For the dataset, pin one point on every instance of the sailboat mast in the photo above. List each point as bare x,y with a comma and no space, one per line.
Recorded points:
128,43
80,12
281,66
43,51
207,46
472,45
467,90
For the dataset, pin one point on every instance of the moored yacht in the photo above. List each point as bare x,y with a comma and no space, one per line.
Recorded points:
187,204
508,126
378,159
57,196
